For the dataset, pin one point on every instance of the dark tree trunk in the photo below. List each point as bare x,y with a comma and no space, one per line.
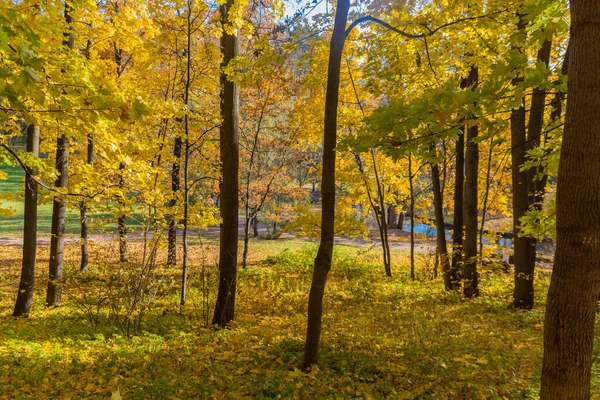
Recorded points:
575,284
450,277
459,185
175,187
26,284
228,204
412,217
470,274
186,159
522,140
255,227
121,227
401,220
325,252
85,255
59,206
392,217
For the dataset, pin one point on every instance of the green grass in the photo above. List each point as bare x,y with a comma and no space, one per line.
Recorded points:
13,224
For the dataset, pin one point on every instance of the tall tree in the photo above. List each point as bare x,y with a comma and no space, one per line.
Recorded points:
525,136
450,276
470,275
575,284
59,207
228,204
325,252
26,284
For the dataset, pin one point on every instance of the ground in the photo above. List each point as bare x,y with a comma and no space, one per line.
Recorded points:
121,332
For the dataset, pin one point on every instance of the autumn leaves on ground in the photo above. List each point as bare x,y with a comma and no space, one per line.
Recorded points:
121,331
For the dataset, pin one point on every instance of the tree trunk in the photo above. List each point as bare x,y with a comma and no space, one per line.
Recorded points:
486,195
325,252
85,256
575,283
175,187
450,277
186,160
228,204
121,227
412,217
470,274
255,226
459,184
26,284
59,206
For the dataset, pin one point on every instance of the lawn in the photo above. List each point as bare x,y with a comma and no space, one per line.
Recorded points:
11,197
382,337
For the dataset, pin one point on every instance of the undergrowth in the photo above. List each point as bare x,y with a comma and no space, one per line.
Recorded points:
382,337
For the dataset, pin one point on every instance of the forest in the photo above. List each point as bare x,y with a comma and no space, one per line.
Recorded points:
305,199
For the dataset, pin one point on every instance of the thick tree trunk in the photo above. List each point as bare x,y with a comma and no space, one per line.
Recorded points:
228,204
59,206
459,185
575,284
26,284
325,252
175,187
470,274
450,277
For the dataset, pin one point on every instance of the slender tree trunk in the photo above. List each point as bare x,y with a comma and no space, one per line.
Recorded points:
470,274
325,252
385,243
186,160
228,204
121,227
85,256
27,282
175,187
59,206
450,277
246,236
575,283
486,196
412,217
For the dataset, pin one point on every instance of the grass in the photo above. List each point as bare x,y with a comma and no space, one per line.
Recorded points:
11,193
382,337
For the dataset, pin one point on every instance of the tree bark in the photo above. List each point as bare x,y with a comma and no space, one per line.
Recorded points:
459,185
412,217
575,283
470,274
121,227
175,187
85,255
26,284
59,206
325,252
228,204
450,277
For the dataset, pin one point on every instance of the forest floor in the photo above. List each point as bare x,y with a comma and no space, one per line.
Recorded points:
121,333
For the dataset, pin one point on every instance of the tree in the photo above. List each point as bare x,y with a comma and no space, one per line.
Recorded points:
228,204
575,282
59,208
26,284
470,276
325,252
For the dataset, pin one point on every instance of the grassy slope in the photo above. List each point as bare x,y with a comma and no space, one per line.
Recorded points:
13,187
382,337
